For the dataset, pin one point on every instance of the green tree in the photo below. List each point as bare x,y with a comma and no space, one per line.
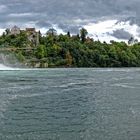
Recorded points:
7,31
20,56
83,34
51,32
68,58
68,34
41,52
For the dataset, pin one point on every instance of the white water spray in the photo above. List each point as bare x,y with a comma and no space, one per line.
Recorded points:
3,67
9,62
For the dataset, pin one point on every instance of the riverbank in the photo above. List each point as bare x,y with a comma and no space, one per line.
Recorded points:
68,50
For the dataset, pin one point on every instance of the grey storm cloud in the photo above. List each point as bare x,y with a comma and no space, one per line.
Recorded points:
122,34
67,14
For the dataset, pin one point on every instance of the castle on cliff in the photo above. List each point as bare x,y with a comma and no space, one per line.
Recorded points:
32,34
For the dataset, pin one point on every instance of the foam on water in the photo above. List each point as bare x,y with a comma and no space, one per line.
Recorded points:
123,85
3,67
79,104
7,68
6,99
116,69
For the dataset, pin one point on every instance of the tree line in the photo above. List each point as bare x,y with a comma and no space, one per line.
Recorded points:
73,50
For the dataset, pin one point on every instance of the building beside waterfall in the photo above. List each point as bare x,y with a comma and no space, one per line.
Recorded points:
32,34
15,30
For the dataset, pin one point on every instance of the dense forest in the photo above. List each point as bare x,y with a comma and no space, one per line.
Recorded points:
69,50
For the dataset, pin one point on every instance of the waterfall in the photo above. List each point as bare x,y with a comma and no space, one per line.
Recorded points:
3,67
8,61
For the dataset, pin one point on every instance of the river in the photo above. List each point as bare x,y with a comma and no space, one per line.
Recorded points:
70,104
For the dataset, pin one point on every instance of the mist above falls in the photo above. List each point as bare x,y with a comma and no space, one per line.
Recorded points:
8,61
3,67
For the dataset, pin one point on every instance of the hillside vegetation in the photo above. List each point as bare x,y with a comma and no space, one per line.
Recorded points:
70,50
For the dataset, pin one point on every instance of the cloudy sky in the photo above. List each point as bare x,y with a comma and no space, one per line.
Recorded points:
104,19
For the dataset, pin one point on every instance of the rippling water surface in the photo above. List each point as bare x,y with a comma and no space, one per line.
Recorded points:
70,104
